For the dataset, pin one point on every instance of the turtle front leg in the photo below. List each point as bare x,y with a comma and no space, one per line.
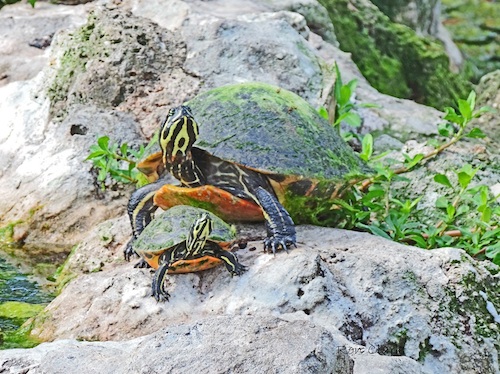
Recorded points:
279,224
140,209
230,260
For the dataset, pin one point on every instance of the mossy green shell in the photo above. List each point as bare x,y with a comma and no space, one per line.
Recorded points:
172,226
273,130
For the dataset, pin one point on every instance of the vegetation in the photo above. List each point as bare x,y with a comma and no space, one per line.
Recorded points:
468,216
392,57
8,2
118,161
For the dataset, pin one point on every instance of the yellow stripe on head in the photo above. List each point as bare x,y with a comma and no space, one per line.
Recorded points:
199,233
178,133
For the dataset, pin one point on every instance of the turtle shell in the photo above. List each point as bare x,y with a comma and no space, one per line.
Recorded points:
272,130
170,228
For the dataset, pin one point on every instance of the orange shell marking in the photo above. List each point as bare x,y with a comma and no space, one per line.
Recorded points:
220,202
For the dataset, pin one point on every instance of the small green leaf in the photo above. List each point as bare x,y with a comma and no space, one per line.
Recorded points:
374,230
446,129
323,112
103,142
452,116
471,100
367,147
476,133
352,119
345,96
442,179
450,211
442,202
464,178
411,162
465,109
32,2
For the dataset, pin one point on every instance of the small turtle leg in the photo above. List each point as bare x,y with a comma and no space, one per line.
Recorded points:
158,286
230,260
279,224
169,257
140,210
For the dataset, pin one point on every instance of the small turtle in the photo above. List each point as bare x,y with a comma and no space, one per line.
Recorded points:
255,152
173,243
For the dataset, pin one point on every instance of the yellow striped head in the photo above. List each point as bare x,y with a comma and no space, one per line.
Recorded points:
199,233
178,133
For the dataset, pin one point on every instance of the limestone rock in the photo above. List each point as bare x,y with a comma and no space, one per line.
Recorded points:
384,298
26,32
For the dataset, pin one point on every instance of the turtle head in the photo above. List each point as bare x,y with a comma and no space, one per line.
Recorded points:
178,133
199,233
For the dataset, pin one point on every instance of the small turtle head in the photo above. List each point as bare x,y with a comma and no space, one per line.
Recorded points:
199,233
178,133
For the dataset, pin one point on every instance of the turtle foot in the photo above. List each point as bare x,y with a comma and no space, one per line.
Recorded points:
129,251
276,241
238,269
142,264
159,292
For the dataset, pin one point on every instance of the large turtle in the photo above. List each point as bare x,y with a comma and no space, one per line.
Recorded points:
248,151
185,239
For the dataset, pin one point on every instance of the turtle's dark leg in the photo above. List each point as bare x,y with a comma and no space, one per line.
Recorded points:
279,224
230,260
166,259
140,210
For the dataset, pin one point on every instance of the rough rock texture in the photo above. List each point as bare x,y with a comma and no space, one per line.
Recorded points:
119,69
393,58
239,344
489,95
391,299
423,16
25,33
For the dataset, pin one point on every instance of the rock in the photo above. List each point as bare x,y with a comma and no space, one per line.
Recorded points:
384,298
218,344
425,18
489,95
393,58
20,26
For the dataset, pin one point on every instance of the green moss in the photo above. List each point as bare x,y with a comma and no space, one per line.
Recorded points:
393,58
269,128
475,28
63,274
396,344
7,232
172,226
19,310
80,50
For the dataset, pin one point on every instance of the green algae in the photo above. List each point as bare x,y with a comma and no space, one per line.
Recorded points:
171,227
20,299
393,58
271,129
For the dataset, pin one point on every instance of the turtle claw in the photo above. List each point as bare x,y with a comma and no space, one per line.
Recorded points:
142,264
129,251
275,242
238,269
158,291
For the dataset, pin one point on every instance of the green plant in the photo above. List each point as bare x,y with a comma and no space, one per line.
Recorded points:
8,2
469,219
118,161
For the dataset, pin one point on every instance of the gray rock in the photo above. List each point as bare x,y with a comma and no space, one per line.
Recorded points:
423,16
385,299
211,345
22,25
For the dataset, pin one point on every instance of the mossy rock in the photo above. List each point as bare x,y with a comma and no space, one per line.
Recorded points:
393,58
